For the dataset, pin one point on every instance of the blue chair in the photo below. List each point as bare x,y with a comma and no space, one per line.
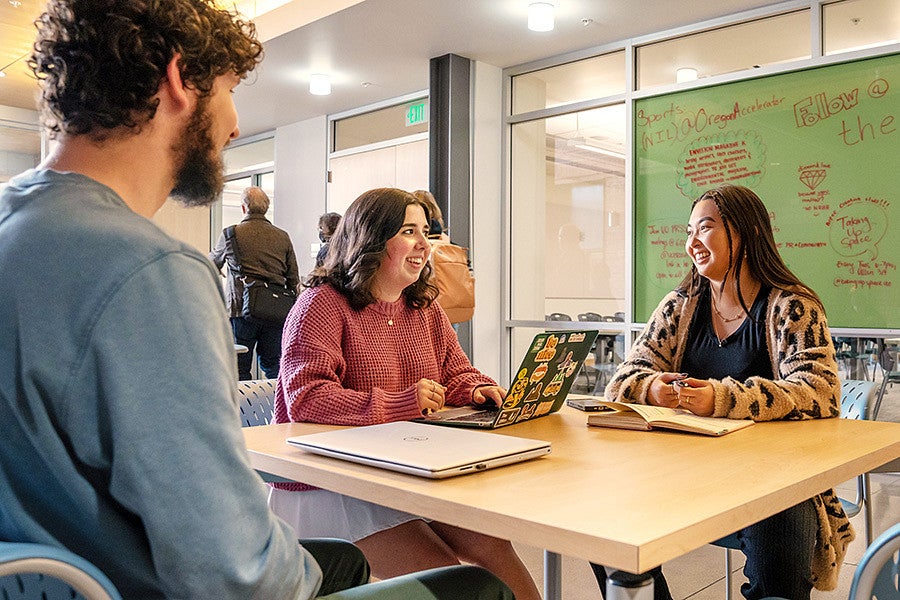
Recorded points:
257,397
44,572
877,573
257,403
855,395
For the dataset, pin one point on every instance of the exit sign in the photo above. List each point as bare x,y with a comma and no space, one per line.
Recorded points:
417,113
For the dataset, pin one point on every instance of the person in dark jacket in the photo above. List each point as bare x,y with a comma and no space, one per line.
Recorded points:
266,255
327,224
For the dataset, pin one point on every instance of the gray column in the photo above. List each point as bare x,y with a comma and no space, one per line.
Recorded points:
450,154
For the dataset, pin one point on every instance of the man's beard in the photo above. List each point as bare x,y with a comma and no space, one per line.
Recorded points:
199,178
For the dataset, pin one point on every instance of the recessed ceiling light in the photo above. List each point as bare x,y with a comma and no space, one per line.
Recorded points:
685,74
540,16
319,84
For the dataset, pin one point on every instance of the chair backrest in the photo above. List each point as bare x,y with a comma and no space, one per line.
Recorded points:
257,397
44,572
855,396
589,316
558,317
877,573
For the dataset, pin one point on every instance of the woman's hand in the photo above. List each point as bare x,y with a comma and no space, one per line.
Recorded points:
489,393
696,395
663,391
430,395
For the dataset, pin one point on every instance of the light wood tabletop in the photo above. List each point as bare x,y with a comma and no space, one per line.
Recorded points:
631,500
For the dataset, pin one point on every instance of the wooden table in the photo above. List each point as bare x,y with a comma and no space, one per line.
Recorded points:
627,499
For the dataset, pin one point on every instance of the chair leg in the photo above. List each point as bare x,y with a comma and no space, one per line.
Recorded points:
884,384
867,508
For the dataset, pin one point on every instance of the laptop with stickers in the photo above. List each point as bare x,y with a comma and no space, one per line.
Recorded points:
421,450
542,383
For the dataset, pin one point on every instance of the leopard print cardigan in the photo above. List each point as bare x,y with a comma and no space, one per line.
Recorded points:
806,386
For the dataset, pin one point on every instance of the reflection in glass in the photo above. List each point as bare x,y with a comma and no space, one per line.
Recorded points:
727,49
860,24
567,222
572,82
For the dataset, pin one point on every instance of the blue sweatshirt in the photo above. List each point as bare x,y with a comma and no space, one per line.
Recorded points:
120,431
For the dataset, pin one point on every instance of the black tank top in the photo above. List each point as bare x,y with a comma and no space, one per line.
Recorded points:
742,354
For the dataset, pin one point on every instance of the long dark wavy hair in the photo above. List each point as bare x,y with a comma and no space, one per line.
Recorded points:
358,246
100,62
744,214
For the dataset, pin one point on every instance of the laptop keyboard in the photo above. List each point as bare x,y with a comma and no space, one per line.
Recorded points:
484,416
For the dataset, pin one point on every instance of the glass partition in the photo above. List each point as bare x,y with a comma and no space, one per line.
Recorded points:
859,24
725,50
594,77
567,221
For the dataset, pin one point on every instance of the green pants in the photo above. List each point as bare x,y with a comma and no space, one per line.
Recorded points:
345,574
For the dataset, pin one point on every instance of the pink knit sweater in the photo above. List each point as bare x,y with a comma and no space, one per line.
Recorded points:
346,367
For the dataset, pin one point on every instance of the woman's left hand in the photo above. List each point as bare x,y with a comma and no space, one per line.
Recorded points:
696,395
489,393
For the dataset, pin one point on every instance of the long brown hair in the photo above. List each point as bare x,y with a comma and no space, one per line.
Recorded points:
358,246
744,214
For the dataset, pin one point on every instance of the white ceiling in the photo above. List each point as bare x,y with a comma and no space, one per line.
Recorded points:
388,43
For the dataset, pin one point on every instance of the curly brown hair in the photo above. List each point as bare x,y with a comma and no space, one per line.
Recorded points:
359,245
100,62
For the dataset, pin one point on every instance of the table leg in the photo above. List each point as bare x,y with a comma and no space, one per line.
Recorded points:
621,585
552,576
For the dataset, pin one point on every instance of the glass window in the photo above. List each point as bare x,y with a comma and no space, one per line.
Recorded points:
381,125
733,48
573,82
250,157
568,215
20,149
860,24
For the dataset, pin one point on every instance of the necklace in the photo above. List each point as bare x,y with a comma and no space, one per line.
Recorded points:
723,317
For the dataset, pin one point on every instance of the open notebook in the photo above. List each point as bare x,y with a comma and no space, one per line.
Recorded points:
418,449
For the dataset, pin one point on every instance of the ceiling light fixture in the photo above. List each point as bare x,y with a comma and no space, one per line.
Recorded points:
319,84
540,16
685,74
585,144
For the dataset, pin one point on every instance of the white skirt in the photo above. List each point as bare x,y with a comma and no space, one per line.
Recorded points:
320,513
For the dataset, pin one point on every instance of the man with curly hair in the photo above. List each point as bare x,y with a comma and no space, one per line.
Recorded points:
118,404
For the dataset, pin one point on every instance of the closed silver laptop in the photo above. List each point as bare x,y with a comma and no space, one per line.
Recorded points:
420,449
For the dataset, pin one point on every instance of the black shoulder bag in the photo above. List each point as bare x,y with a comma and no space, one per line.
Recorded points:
263,301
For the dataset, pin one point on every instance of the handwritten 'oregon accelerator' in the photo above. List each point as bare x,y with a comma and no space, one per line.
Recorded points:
684,125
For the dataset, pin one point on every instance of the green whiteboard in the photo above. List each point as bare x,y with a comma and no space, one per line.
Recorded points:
820,147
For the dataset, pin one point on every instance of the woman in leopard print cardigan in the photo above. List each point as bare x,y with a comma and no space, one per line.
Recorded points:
758,344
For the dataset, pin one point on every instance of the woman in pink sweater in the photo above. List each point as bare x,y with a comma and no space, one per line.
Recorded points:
367,344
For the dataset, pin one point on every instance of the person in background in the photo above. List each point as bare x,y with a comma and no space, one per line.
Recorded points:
742,337
121,437
366,344
327,224
436,222
266,255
